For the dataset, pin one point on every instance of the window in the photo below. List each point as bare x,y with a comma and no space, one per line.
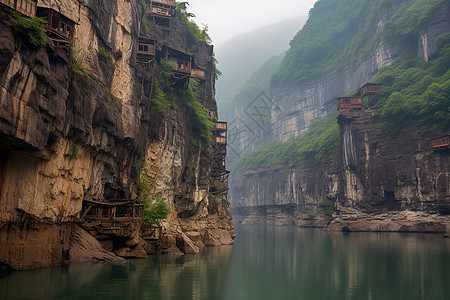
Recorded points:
143,48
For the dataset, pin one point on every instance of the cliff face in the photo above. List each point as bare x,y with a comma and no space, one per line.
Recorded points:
66,138
296,106
377,183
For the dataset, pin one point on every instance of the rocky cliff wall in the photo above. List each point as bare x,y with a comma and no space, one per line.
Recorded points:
397,179
375,183
66,138
296,106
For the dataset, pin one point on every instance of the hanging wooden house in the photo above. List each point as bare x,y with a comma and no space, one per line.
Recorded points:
146,50
60,29
349,103
220,126
160,11
369,89
26,7
182,64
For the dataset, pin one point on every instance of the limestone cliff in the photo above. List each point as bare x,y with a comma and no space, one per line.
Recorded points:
297,106
375,182
66,138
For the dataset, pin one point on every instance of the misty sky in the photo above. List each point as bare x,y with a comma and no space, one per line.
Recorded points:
227,18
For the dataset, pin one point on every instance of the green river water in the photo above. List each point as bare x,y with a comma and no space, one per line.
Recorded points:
267,262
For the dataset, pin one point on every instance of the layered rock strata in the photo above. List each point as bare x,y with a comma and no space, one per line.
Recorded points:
67,137
376,175
377,183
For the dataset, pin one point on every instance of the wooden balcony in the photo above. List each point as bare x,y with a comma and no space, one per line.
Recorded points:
118,212
220,140
440,143
161,8
221,126
25,7
349,103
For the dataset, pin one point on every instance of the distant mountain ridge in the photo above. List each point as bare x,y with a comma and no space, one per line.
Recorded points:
240,56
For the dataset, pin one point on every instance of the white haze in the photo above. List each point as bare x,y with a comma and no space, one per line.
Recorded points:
229,18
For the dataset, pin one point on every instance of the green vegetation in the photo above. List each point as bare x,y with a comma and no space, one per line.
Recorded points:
198,115
115,99
310,214
77,68
74,153
193,145
145,26
339,33
327,207
195,34
104,53
312,147
156,210
409,21
162,87
214,189
415,92
163,91
32,29
217,72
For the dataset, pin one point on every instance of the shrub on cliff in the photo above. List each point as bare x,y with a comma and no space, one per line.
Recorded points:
31,29
162,87
77,68
340,33
154,213
195,34
315,146
415,92
198,115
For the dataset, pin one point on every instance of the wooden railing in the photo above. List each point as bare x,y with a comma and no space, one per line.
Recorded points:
221,126
221,140
440,142
165,2
349,103
128,211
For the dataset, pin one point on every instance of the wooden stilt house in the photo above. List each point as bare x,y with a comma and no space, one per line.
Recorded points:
182,64
369,89
60,29
160,11
146,50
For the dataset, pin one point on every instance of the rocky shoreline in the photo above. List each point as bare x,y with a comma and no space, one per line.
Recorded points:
352,220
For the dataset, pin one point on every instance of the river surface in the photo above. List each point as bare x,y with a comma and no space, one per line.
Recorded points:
267,262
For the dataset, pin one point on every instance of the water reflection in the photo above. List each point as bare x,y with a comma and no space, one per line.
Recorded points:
267,262
158,277
293,263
